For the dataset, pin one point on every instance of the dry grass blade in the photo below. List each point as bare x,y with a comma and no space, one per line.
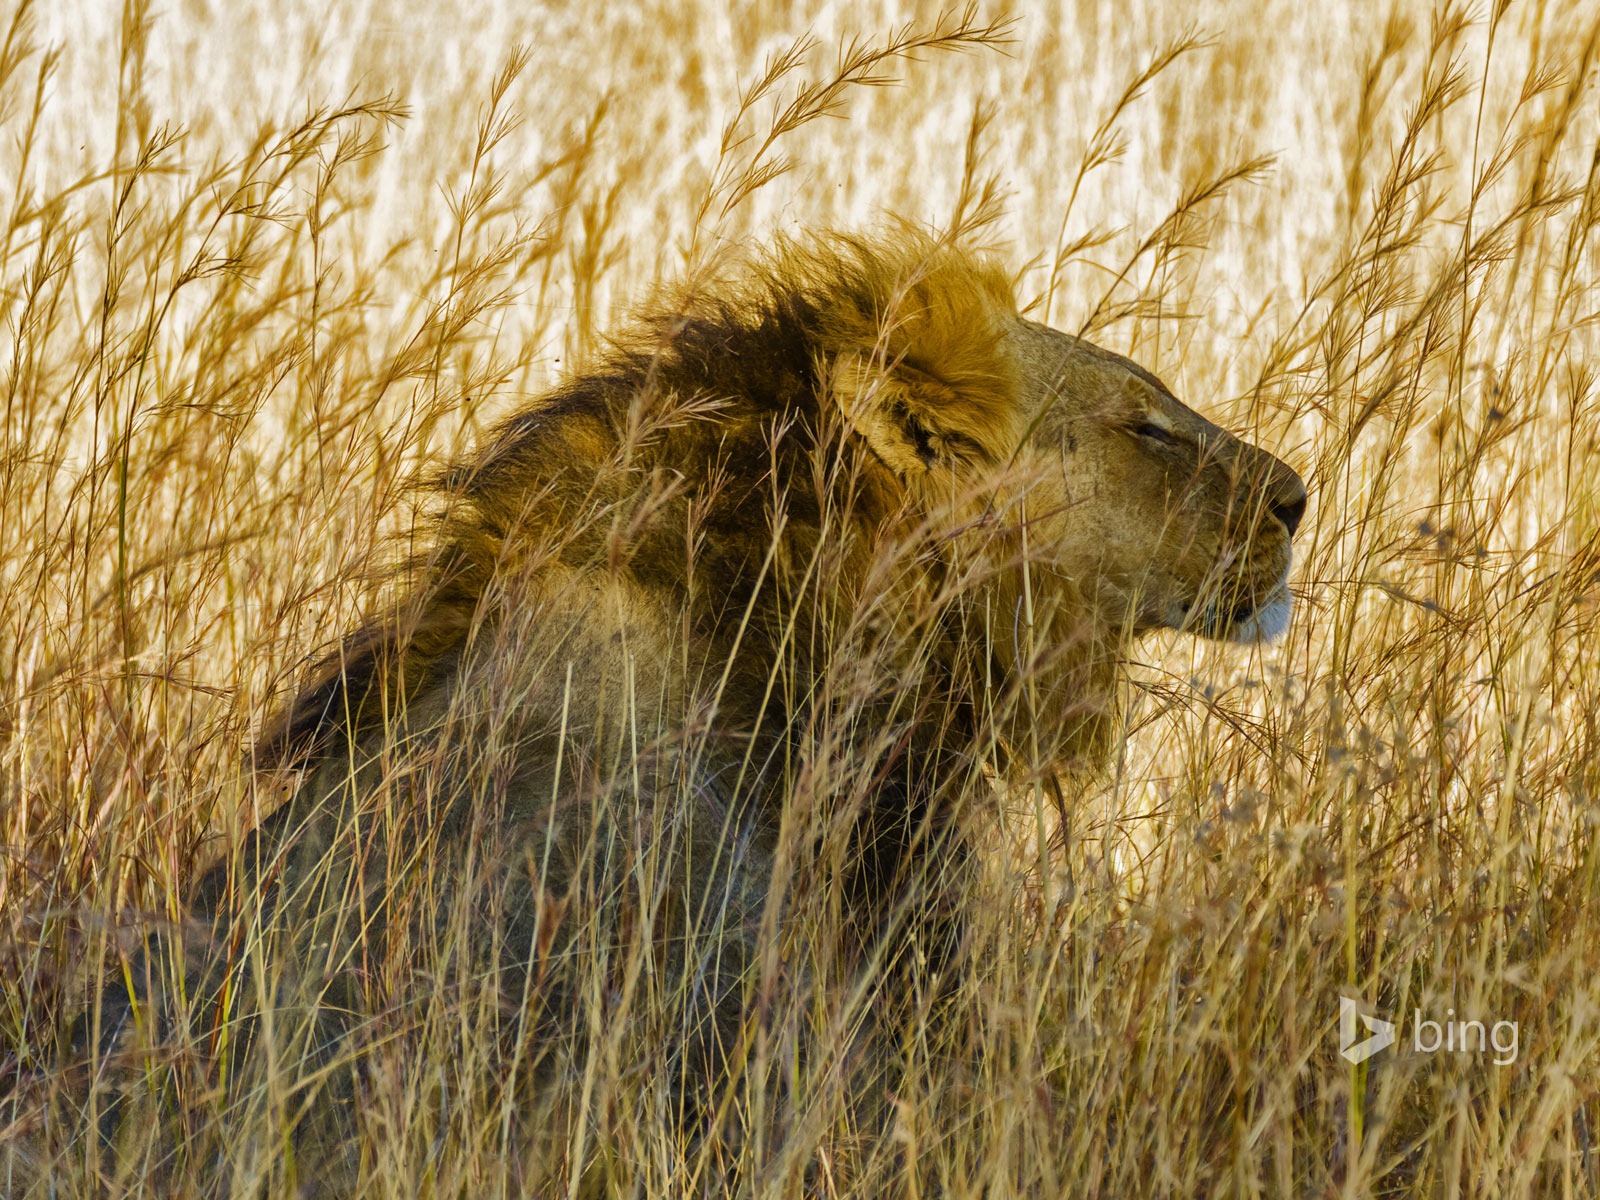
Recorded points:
739,172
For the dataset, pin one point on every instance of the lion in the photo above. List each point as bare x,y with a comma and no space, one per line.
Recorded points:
719,653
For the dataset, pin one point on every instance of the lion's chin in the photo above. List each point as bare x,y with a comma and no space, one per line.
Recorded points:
1267,623
1264,622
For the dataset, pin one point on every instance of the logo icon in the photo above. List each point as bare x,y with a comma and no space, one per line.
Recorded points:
1357,1052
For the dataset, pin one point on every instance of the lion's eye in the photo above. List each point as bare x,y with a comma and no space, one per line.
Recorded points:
1156,434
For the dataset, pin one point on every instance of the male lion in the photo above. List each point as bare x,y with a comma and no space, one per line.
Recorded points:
662,766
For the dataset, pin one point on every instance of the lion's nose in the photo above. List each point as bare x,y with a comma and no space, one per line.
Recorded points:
1271,485
1289,506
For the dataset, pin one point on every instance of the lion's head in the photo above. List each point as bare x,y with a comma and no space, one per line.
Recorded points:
1179,524
1163,519
1105,507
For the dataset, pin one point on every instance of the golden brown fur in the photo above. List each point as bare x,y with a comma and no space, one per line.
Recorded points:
736,625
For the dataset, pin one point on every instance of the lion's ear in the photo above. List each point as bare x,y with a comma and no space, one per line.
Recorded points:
916,422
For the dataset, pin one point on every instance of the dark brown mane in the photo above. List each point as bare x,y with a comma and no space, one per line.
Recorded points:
721,384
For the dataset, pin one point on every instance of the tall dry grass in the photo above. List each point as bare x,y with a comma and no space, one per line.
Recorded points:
262,267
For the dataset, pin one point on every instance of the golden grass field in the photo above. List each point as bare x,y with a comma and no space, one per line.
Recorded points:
266,265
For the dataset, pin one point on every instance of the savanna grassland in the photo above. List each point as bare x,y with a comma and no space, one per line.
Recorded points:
263,267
